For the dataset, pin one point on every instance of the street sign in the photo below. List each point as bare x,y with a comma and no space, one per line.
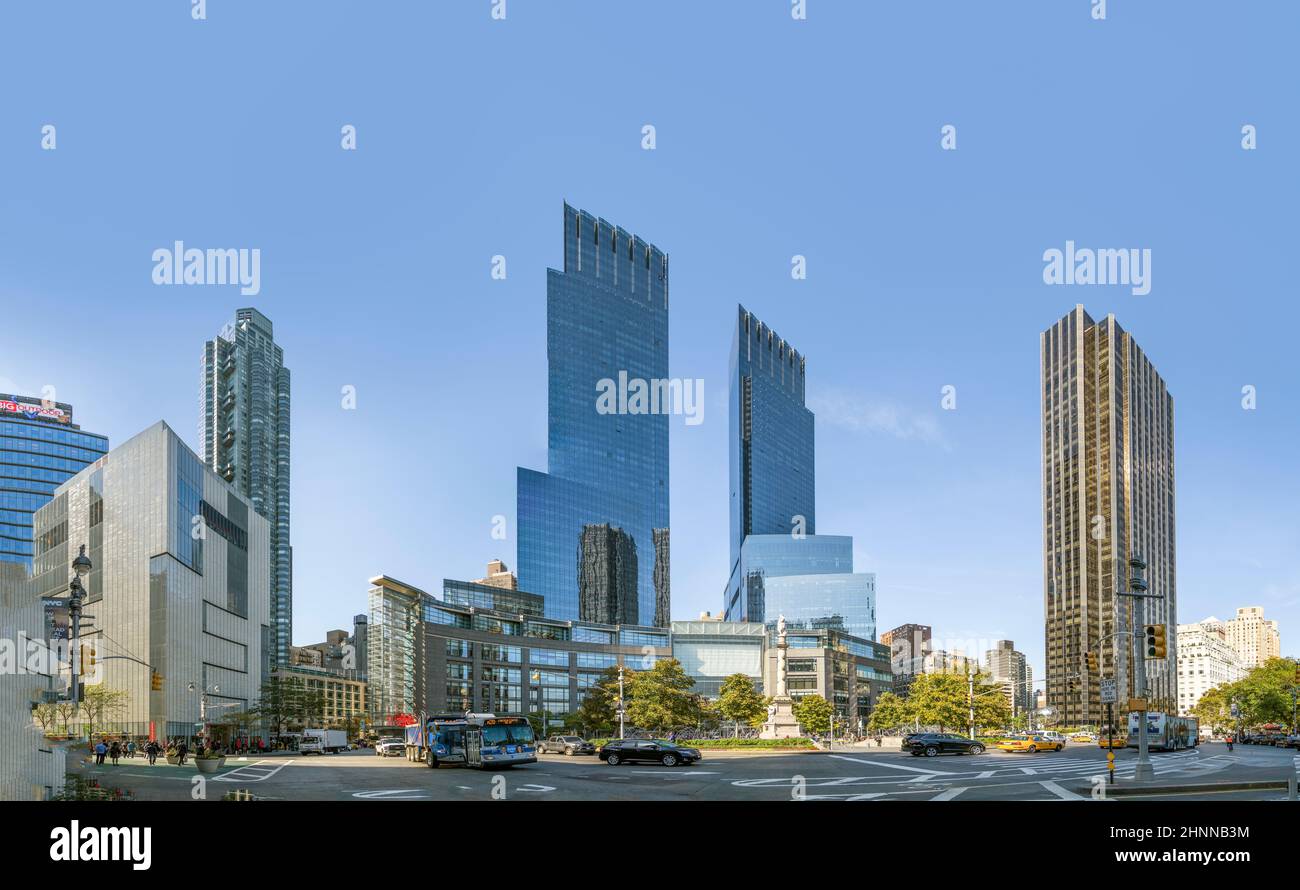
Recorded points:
1236,711
1108,693
1137,704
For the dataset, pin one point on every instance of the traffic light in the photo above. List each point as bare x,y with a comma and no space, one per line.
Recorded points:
1155,634
1092,662
155,681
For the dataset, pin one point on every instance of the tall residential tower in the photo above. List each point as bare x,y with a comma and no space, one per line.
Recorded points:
244,399
1108,496
606,325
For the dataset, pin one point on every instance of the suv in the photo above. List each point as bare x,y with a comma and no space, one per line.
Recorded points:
389,746
567,745
932,744
646,751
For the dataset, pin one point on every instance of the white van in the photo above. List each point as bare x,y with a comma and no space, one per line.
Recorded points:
1053,735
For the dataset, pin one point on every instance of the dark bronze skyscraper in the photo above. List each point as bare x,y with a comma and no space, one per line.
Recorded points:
1108,495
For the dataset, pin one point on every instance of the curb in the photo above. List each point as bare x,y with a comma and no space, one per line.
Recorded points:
1143,790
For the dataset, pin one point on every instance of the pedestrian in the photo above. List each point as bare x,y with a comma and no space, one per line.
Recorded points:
130,749
151,750
1229,740
114,752
100,751
182,750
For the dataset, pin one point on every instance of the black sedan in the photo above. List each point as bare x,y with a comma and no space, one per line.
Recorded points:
932,744
646,751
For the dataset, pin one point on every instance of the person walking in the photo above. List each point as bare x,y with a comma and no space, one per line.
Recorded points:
1229,740
151,750
130,749
100,751
182,749
114,752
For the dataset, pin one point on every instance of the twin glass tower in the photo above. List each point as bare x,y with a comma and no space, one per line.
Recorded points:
593,530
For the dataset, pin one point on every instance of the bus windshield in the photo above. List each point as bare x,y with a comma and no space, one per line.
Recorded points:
510,734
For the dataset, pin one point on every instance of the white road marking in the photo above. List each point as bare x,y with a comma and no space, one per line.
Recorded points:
910,769
399,794
254,772
536,789
949,794
1061,792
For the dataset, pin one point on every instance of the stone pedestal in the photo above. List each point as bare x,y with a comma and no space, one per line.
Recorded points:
781,722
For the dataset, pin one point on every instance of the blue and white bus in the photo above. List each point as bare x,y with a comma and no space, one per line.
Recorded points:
485,741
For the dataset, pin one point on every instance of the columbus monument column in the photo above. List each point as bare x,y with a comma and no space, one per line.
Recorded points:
781,722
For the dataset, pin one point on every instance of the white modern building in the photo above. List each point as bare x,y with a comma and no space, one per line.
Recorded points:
30,767
1255,637
180,585
1206,659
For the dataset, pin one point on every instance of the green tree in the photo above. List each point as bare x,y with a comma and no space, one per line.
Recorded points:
939,700
740,702
661,697
814,713
283,701
45,714
596,713
889,713
100,704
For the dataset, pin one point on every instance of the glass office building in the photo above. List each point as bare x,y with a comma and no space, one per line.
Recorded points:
244,398
40,449
842,601
771,453
849,672
771,436
606,320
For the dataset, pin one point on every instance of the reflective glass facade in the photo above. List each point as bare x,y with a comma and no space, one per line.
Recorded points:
244,398
606,319
771,437
763,556
40,449
845,602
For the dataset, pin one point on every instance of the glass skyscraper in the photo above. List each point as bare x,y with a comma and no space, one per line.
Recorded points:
606,320
771,448
244,398
779,564
40,448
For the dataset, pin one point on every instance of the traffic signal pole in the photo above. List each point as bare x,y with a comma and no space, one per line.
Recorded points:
1143,771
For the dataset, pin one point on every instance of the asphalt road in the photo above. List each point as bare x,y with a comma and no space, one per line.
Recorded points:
853,775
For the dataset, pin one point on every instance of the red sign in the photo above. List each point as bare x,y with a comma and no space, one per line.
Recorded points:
402,719
41,410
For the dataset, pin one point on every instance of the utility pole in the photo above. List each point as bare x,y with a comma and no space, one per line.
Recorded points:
1143,771
970,699
621,709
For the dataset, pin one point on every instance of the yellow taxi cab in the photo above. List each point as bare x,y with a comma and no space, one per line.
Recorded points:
1082,737
1029,744
1119,740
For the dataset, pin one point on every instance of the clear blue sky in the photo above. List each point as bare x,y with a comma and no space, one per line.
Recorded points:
775,138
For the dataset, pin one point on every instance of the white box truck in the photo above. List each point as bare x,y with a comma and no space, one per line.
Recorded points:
322,741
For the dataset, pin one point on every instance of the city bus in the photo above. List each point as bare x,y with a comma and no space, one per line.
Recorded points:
1165,732
484,741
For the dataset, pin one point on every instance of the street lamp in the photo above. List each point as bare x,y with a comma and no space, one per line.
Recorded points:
81,567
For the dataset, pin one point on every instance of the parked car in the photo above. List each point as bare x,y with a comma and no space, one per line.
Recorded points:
566,744
932,744
646,751
1292,741
1029,744
390,747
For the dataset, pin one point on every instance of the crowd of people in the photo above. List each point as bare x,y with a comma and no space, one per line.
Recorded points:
179,747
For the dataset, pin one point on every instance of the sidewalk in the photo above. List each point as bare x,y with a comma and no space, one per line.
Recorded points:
1126,787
